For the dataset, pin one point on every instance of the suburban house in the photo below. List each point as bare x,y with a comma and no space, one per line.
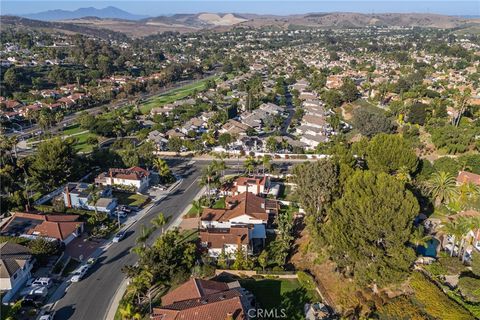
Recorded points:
59,227
15,266
227,240
205,299
256,185
242,223
78,195
134,177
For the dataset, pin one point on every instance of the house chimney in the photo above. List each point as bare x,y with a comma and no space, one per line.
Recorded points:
69,199
239,241
229,316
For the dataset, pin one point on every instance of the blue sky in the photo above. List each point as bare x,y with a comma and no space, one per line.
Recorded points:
282,7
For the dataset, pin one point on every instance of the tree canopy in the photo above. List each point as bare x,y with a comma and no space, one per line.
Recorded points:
369,226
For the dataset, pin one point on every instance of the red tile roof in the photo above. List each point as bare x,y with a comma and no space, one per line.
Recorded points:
202,300
217,237
192,289
245,203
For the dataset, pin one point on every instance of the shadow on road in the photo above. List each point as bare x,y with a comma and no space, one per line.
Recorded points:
64,312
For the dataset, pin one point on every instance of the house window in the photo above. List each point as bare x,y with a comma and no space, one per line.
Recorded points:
14,276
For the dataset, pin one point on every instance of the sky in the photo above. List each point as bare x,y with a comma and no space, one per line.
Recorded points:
282,7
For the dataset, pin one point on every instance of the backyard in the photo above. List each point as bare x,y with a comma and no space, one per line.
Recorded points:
130,199
288,294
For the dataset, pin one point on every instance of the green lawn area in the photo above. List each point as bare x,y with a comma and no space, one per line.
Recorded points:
175,94
219,204
81,144
73,129
130,199
281,293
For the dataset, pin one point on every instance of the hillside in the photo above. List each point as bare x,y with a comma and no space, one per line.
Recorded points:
184,23
108,12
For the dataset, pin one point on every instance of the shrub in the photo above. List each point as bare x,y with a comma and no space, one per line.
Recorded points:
306,280
470,288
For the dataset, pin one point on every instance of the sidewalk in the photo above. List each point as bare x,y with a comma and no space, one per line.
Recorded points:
112,309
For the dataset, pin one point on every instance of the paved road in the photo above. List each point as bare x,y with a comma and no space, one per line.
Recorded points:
90,298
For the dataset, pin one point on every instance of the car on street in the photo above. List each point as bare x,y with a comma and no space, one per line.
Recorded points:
47,316
79,273
119,236
91,262
45,282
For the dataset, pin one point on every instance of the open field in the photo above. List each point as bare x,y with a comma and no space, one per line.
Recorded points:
130,199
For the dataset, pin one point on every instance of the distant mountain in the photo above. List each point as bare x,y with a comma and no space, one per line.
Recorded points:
105,13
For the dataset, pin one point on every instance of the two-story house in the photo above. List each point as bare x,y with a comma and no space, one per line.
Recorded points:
78,195
135,177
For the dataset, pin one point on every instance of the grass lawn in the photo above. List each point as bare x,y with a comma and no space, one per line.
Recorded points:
81,144
280,294
130,199
219,204
174,94
73,129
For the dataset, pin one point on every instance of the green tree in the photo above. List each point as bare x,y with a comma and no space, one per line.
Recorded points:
317,186
349,90
225,139
369,226
175,144
263,259
390,153
53,164
371,122
159,221
163,169
250,164
127,312
42,247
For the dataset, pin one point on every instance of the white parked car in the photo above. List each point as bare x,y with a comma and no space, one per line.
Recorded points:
79,273
119,236
47,316
45,282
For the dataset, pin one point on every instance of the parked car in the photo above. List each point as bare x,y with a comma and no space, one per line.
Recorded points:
121,214
47,316
32,300
91,261
44,281
119,236
79,273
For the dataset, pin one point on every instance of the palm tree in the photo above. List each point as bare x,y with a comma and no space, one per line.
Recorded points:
93,197
220,166
163,169
198,208
419,238
208,177
145,233
455,230
128,313
250,164
442,187
159,221
461,104
467,191
266,163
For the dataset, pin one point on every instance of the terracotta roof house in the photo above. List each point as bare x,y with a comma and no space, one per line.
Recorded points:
15,266
228,240
135,177
59,227
468,177
205,300
255,185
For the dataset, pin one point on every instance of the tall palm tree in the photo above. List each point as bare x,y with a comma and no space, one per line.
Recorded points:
197,208
461,104
159,221
145,233
266,162
442,187
467,191
220,166
128,313
250,164
456,230
208,177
